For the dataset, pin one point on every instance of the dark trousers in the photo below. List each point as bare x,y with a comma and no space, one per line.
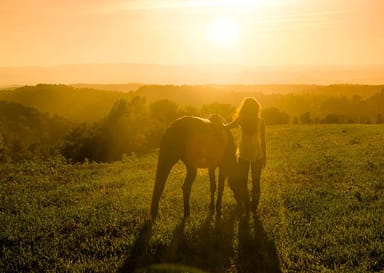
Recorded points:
256,167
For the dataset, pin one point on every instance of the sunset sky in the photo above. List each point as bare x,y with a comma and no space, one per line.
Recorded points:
254,33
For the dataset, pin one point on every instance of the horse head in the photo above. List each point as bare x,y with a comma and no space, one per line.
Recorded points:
229,164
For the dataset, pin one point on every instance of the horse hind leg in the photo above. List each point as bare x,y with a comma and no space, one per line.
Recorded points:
191,174
164,167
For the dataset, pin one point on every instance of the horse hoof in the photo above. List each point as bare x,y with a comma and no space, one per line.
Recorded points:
187,213
218,212
218,216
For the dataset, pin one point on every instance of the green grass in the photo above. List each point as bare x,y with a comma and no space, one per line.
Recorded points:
321,210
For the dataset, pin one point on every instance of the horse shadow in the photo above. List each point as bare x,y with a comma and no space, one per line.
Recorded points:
234,243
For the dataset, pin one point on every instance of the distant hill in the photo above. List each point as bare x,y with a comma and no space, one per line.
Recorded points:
128,87
347,90
191,74
74,104
91,105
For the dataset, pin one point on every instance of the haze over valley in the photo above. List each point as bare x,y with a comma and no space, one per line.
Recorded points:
191,74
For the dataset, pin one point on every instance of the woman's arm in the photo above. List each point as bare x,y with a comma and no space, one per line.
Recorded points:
233,124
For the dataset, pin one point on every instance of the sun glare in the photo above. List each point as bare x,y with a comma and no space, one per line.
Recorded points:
223,32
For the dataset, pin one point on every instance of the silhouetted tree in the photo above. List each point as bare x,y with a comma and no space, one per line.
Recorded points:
379,118
273,116
128,132
223,109
28,134
164,110
305,118
365,119
123,131
189,110
333,118
84,142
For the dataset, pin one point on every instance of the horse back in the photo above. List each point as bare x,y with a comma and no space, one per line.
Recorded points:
198,142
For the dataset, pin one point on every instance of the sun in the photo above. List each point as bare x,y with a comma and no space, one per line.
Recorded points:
223,32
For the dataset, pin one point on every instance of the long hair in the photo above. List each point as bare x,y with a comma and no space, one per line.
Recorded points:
249,115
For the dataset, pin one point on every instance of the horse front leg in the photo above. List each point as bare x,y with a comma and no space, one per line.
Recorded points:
191,174
212,180
222,176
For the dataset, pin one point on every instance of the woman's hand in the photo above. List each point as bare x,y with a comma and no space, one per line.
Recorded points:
232,124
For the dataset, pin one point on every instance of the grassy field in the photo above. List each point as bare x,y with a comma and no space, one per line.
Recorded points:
321,210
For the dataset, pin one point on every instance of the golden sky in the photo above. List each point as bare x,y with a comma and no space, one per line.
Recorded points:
246,32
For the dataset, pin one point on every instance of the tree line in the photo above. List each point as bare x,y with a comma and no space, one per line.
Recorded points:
130,126
103,126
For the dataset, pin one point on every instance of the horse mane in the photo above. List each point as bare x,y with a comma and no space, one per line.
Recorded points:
217,119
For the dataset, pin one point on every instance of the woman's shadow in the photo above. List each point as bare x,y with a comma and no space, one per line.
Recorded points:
257,253
215,246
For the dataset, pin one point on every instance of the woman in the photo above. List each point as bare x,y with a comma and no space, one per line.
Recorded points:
252,148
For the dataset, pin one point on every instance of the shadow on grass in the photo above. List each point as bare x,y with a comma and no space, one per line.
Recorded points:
257,253
233,244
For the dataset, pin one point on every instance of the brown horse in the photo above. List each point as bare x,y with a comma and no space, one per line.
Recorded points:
198,143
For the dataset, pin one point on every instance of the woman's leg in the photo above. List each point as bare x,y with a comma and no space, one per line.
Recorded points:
256,168
243,169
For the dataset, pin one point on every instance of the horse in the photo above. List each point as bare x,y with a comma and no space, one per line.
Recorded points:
198,143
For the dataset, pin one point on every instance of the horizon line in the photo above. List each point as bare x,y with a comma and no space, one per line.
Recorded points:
191,64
